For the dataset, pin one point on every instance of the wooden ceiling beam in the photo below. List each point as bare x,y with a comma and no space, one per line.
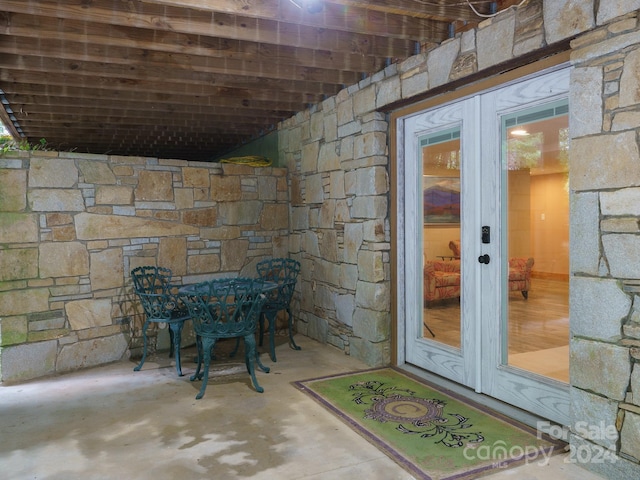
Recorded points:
98,134
99,36
246,125
70,122
123,126
127,74
204,92
360,17
174,19
356,17
132,139
438,10
100,54
85,115
63,95
67,106
153,145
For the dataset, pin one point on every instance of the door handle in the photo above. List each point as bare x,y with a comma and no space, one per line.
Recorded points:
484,259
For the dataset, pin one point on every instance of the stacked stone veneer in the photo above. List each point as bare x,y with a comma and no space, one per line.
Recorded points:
605,244
73,226
338,160
340,222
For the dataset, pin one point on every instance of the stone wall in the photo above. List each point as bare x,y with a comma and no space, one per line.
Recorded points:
605,246
73,226
337,157
339,223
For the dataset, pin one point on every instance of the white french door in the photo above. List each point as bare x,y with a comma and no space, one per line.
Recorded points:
465,181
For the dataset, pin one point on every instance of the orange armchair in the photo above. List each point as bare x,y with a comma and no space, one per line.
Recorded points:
519,271
520,275
441,280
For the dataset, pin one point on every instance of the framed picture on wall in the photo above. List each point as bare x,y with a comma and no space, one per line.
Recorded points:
441,200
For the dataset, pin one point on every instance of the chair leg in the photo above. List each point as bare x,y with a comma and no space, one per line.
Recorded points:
144,347
251,357
207,348
175,331
272,335
197,375
171,344
427,327
270,315
261,328
262,366
292,342
525,294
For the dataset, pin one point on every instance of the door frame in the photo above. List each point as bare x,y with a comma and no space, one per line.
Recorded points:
438,357
398,290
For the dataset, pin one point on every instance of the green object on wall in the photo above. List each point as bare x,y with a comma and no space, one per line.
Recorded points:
265,146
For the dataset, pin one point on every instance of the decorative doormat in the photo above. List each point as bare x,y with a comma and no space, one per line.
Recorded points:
432,433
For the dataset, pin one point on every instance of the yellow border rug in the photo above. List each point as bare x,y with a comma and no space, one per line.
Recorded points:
432,433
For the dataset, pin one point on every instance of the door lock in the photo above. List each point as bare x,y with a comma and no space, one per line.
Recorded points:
484,259
486,234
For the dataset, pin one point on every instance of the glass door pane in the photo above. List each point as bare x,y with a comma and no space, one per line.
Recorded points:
536,283
441,206
437,299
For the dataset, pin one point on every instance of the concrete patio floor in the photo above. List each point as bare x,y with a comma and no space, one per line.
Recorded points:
110,422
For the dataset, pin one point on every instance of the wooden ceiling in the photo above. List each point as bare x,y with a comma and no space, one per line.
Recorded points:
194,79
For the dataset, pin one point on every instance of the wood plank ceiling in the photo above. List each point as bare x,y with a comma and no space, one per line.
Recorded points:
193,79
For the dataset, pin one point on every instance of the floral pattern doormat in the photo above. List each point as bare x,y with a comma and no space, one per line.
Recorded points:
432,433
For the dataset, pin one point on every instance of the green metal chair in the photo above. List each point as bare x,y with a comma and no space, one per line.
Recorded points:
161,304
284,272
225,308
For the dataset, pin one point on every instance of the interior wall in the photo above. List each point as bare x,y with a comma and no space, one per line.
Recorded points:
550,225
436,241
539,221
519,214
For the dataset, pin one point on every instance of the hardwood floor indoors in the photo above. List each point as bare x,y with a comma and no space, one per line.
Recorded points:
538,327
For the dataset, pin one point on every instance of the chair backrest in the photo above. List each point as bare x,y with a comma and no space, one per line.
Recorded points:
152,286
278,270
151,279
454,246
225,308
522,264
284,272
